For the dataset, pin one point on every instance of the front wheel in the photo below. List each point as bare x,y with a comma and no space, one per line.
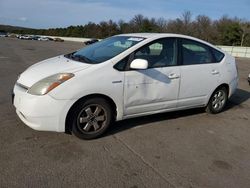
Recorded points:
217,101
91,118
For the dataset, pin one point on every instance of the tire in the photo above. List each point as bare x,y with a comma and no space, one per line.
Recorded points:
91,118
217,101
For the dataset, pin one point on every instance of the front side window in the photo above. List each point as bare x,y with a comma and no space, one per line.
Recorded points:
160,53
105,49
195,53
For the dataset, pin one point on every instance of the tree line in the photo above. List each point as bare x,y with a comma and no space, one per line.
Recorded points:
223,31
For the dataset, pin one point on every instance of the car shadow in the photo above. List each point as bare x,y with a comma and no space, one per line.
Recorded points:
144,120
237,99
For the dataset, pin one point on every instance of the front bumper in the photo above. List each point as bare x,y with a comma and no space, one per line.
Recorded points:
42,113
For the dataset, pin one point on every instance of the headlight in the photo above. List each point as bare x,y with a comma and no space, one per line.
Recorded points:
45,85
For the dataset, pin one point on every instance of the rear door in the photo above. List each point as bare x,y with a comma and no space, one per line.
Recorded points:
199,73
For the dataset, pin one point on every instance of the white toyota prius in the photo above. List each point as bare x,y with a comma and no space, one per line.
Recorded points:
121,77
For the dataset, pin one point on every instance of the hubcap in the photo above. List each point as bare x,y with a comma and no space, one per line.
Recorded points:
219,100
92,118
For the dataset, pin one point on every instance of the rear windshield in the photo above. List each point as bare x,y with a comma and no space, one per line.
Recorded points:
104,50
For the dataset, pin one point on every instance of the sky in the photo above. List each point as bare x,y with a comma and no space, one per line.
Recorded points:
63,13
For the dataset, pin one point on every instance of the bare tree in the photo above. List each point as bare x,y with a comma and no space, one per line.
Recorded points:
162,24
187,18
245,28
186,23
203,27
175,26
137,20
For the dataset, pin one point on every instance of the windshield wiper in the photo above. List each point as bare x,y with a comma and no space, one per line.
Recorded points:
80,58
69,55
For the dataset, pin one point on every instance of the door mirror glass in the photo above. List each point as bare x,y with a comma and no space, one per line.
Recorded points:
139,64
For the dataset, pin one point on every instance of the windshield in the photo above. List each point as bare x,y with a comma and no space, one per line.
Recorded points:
104,50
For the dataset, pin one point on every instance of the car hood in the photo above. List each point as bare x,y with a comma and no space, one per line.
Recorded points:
49,67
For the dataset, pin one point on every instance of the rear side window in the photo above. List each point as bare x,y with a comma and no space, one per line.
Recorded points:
195,53
217,55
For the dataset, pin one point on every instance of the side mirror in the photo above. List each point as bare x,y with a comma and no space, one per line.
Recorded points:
139,64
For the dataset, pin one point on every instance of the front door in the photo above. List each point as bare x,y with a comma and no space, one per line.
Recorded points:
157,87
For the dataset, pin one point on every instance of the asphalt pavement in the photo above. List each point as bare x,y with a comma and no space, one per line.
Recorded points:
179,149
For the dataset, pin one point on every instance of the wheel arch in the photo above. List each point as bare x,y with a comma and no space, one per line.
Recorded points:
68,126
221,85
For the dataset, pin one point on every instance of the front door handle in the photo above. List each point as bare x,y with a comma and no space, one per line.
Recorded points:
215,72
173,76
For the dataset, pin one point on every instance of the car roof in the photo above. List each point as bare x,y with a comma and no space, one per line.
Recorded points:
154,35
162,35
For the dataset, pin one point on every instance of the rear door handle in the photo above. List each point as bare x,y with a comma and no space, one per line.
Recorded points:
215,72
173,76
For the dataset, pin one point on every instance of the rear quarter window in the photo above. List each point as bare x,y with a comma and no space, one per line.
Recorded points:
218,56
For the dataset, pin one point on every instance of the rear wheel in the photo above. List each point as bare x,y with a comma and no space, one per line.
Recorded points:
217,101
91,118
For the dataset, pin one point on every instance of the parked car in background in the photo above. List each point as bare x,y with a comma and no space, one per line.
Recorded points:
248,79
51,39
58,39
91,41
35,37
43,39
3,34
25,37
20,36
121,77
